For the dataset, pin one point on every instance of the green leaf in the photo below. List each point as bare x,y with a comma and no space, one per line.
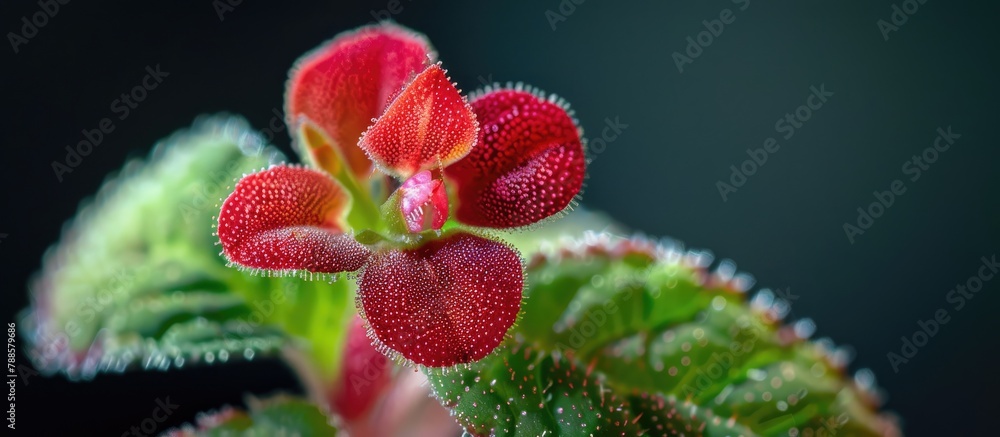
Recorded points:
639,338
279,416
529,392
137,279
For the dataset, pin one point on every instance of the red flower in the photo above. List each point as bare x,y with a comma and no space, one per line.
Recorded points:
510,158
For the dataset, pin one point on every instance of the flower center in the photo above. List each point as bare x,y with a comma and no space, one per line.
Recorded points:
423,202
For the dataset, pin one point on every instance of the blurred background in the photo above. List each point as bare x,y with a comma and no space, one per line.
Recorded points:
673,115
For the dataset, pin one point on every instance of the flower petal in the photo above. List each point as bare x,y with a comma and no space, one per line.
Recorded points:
429,125
528,163
447,302
316,144
289,218
364,375
347,82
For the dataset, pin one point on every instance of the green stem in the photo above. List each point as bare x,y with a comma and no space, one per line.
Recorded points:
364,212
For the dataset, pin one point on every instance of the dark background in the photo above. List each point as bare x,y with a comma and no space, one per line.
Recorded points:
609,59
